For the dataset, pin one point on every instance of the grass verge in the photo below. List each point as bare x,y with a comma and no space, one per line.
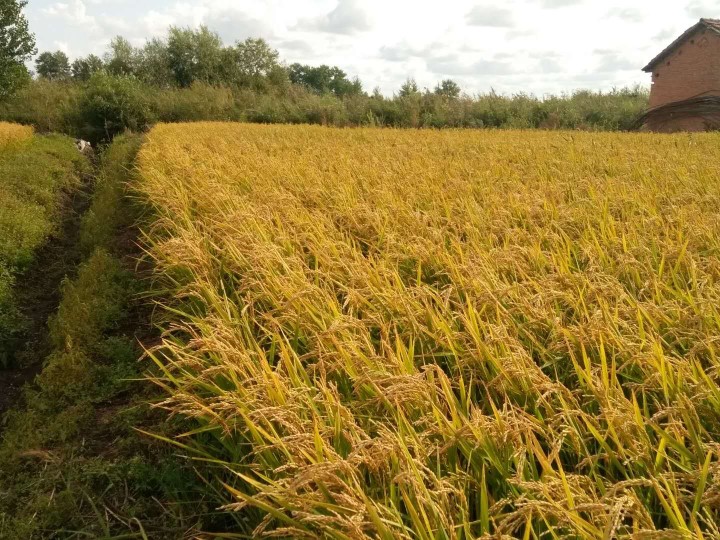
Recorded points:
72,464
37,173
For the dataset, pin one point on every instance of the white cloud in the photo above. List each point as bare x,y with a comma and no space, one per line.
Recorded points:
490,15
613,61
157,23
703,8
560,3
402,51
536,46
626,14
74,13
348,17
62,46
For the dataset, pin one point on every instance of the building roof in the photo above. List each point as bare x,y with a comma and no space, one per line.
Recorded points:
710,24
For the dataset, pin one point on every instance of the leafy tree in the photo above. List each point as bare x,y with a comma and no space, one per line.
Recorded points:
154,64
354,88
83,68
256,58
255,64
195,55
448,88
17,45
279,78
409,88
53,65
325,79
122,57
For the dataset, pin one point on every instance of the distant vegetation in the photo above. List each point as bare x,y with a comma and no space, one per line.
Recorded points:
192,75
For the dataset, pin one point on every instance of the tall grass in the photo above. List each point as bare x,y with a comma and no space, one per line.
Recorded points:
13,133
109,105
442,334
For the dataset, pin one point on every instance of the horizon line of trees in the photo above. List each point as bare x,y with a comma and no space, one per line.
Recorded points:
190,55
187,56
191,75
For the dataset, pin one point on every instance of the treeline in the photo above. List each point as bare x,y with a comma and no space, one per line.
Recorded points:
192,75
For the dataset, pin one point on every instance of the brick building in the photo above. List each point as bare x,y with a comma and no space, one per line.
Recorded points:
685,91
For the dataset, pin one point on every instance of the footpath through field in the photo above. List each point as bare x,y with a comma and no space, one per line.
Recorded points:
42,196
71,459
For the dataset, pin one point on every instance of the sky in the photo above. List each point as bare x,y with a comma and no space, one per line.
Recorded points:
532,46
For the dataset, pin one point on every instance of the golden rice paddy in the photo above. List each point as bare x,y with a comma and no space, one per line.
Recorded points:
442,334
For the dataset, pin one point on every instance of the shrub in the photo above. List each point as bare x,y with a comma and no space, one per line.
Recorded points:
199,102
112,104
49,106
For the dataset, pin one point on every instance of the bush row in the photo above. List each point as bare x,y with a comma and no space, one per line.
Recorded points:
109,104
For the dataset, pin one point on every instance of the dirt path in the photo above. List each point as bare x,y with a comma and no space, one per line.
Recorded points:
38,295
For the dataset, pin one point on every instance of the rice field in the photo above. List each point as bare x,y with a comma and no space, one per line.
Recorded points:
441,334
10,133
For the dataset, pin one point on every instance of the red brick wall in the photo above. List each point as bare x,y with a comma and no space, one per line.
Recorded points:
691,69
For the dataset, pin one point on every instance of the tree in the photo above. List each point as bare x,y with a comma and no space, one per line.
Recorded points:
153,66
325,79
255,57
409,88
17,45
111,104
279,78
195,55
448,88
53,65
122,58
83,68
255,64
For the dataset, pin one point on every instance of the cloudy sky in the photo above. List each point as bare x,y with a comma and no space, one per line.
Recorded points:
535,46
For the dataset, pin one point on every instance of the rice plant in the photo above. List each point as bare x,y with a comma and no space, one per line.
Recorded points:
442,334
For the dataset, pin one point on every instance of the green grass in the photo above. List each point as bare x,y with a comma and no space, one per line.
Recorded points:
73,463
34,175
44,469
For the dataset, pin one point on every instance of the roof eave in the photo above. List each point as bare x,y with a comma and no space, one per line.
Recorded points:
686,34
